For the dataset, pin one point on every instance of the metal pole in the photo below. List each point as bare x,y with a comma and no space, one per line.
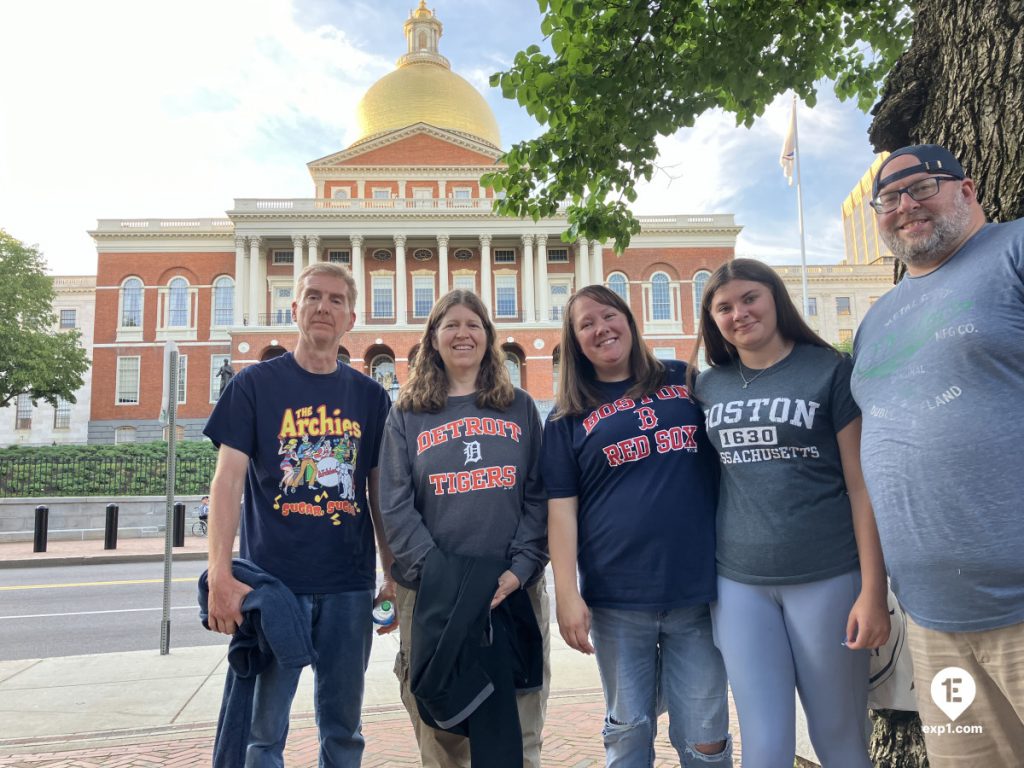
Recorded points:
800,211
172,407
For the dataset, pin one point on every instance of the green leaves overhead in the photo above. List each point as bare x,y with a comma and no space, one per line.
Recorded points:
626,71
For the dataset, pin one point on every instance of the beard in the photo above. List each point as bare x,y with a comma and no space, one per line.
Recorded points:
947,230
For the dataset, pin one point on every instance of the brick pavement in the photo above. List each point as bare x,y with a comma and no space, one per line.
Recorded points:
572,739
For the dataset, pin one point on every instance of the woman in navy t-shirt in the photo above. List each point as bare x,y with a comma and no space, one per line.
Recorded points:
631,483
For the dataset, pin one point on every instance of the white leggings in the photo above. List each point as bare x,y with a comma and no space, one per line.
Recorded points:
777,638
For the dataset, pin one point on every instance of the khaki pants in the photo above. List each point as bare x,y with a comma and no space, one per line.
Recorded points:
995,659
440,749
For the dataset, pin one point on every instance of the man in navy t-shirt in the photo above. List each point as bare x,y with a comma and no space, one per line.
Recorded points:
301,433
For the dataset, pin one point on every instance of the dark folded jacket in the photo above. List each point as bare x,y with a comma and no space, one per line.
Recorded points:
468,662
273,628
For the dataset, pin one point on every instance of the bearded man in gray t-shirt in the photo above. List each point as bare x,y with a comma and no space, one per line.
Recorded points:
939,377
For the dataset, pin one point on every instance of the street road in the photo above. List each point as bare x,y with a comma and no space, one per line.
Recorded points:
83,609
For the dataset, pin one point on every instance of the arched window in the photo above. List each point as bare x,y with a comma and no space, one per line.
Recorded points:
124,435
177,303
382,370
131,303
515,367
699,281
661,299
223,300
618,283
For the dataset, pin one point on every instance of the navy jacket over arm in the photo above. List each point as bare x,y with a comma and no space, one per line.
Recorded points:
273,628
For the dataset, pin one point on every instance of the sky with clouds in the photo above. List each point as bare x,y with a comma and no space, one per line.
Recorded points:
138,109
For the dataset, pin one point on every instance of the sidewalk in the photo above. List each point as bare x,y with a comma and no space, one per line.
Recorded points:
140,709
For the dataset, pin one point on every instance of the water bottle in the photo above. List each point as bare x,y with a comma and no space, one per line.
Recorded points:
384,614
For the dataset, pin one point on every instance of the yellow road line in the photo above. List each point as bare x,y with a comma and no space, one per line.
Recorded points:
92,584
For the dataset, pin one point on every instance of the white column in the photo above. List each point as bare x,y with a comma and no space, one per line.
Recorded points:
596,263
297,260
239,300
401,189
542,277
360,188
486,289
441,189
526,280
357,274
442,264
313,249
256,307
401,298
582,264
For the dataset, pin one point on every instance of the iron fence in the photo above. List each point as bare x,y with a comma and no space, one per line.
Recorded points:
109,476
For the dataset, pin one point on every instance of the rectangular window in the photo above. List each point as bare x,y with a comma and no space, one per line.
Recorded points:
381,193
842,305
216,363
68,318
23,415
284,257
339,257
383,292
423,196
422,295
812,306
182,377
505,296
665,353
127,381
62,414
558,255
845,336
504,256
464,282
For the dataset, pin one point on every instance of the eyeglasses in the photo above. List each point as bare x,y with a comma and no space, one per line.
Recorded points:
887,202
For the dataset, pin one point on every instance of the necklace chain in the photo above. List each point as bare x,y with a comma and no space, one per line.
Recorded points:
747,382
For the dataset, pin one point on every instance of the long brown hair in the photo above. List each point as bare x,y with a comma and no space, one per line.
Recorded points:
790,324
427,388
578,389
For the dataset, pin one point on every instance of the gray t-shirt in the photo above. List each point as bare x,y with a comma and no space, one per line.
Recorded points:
783,511
466,480
939,375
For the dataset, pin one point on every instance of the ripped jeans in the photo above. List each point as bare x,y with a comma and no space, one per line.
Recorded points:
653,662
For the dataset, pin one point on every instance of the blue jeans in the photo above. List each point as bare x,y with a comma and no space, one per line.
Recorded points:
651,662
342,633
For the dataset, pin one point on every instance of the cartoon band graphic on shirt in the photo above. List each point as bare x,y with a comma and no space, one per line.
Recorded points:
319,451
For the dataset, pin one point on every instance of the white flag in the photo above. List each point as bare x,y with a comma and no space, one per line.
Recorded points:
788,154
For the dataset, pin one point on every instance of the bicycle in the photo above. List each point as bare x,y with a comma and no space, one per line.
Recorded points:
199,527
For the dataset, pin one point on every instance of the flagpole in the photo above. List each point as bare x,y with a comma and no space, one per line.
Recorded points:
800,210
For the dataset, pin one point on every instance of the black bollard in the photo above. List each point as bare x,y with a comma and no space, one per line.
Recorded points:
179,524
110,530
42,524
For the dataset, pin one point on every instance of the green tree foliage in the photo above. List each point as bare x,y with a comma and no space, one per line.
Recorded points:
627,71
34,357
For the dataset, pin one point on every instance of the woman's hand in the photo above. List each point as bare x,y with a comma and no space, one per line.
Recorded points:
508,583
869,622
574,622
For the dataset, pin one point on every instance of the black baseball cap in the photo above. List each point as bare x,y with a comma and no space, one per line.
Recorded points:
933,159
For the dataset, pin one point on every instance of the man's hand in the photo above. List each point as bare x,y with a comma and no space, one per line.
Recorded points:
508,583
387,592
225,603
574,621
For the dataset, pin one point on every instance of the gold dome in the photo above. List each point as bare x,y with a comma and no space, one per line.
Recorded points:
424,90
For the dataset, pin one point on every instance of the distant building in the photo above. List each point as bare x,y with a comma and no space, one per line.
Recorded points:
838,294
860,230
74,305
404,208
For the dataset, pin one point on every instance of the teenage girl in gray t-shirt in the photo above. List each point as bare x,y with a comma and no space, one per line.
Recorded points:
801,581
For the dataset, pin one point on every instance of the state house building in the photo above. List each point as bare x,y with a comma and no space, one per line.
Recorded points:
402,207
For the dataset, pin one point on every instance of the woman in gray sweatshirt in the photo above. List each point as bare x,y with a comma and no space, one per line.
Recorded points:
460,471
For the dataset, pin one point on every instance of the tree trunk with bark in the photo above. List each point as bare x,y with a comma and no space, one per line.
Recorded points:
961,85
896,740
